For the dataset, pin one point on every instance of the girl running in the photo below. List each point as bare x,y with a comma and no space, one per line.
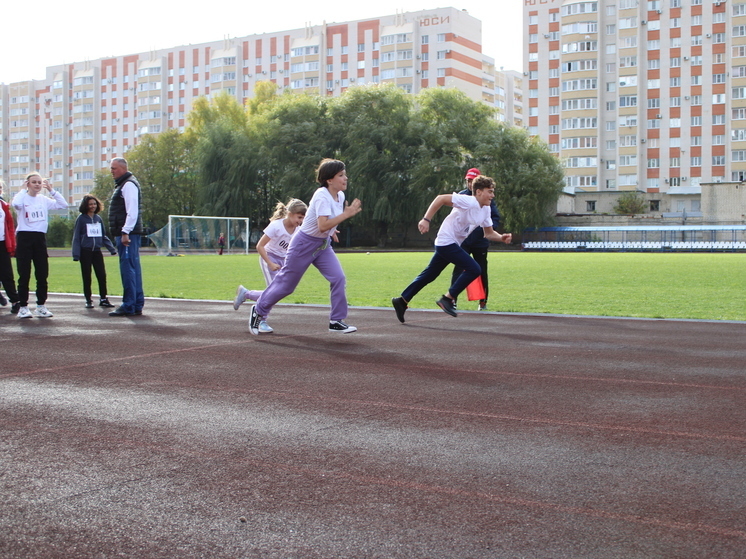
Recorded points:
312,245
273,247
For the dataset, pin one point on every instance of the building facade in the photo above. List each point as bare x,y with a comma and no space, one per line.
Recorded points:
638,94
84,114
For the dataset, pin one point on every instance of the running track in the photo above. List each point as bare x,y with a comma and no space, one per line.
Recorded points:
178,434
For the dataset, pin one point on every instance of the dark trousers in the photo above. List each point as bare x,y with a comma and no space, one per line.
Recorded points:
445,255
6,273
90,258
31,248
480,255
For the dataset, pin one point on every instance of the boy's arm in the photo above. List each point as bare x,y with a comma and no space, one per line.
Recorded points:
435,205
492,235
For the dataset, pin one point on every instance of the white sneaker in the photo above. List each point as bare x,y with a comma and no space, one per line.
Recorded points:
43,312
240,297
265,328
23,312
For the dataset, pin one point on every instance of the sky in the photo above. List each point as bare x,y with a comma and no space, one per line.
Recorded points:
59,34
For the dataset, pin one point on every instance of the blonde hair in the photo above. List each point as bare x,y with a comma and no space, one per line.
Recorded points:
32,173
294,206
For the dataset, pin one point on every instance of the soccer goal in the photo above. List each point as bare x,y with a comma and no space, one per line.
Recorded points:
186,234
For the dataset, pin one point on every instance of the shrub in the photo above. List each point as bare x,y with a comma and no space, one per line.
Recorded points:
60,232
630,203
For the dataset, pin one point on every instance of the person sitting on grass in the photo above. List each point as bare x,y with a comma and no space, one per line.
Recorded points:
469,212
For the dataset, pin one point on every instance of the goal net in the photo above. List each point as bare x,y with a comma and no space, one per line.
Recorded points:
186,234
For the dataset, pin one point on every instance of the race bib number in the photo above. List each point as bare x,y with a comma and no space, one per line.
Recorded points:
35,214
94,230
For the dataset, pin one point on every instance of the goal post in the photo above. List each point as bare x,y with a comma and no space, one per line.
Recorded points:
193,234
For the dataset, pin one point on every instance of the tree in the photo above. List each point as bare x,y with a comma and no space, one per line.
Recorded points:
165,168
528,178
630,202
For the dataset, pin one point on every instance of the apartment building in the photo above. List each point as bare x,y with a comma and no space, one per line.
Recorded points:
639,94
84,114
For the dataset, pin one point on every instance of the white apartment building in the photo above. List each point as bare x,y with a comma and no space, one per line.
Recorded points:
639,94
84,114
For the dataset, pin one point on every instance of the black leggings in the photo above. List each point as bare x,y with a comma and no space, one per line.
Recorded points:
90,258
31,247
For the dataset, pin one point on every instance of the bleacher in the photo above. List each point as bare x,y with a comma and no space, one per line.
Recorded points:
668,238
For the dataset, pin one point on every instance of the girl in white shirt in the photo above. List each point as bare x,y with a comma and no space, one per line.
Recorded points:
31,240
273,247
312,245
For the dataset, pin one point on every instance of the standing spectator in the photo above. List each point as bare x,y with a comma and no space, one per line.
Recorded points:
31,240
312,245
221,244
7,251
475,244
125,223
88,239
468,212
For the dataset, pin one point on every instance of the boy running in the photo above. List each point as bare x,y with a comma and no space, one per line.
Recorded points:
469,212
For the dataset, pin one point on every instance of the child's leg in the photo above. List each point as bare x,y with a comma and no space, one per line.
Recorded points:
462,260
300,255
329,266
24,251
437,264
41,268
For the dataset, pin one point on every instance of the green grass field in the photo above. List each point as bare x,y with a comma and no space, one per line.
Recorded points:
653,285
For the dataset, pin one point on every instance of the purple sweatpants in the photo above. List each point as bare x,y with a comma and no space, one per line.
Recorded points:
303,251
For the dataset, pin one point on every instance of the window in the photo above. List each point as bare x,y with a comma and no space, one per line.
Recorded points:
695,161
627,160
695,140
718,140
654,103
654,163
611,105
654,63
628,100
610,126
655,205
611,164
590,205
610,145
696,121
718,160
674,101
718,78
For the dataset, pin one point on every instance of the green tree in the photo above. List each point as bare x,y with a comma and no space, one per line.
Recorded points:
528,178
165,168
629,203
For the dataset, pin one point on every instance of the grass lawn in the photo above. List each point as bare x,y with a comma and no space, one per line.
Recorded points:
654,285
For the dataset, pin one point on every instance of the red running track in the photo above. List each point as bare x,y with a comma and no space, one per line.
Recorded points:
178,434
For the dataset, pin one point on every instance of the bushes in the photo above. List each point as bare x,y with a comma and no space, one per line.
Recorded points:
60,232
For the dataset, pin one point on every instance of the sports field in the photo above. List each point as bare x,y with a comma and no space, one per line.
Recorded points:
650,285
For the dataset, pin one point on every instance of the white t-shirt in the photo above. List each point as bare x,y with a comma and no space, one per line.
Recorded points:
2,224
279,238
465,216
322,203
33,210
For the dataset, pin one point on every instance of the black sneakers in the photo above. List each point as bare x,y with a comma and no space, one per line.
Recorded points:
447,305
104,302
254,321
89,304
15,307
339,326
3,300
399,306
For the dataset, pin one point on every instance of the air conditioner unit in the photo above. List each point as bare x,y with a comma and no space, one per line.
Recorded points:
684,178
708,35
546,36
642,141
658,116
686,58
644,22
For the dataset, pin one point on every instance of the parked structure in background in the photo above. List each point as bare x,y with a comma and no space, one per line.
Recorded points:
645,95
84,114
